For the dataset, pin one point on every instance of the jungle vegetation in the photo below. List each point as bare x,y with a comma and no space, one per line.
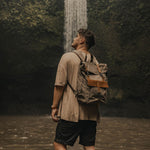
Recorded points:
31,44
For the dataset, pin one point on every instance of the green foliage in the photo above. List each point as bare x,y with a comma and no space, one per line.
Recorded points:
31,40
31,34
122,30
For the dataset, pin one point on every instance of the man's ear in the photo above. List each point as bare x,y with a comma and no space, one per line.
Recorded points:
82,40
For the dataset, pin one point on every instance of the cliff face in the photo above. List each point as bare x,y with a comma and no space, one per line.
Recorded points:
31,40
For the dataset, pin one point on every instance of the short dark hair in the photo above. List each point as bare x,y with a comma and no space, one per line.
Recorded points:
89,37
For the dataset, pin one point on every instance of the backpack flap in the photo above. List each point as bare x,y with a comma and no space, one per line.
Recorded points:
96,77
91,68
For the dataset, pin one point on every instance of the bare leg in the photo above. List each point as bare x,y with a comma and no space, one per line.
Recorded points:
89,148
58,146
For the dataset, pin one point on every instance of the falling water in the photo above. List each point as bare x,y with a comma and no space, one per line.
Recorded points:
75,18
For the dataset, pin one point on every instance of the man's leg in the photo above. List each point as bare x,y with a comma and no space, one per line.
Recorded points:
89,148
88,134
66,134
58,146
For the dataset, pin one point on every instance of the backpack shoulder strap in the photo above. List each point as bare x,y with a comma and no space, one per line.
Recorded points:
74,91
91,58
85,57
78,56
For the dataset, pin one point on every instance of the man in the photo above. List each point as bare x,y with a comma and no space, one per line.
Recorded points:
74,119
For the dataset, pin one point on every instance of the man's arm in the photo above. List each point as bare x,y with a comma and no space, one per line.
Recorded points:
58,92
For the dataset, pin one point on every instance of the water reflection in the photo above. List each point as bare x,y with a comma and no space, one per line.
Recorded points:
37,133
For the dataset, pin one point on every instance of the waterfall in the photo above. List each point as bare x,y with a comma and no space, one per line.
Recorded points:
75,18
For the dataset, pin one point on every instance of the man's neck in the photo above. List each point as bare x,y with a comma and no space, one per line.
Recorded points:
82,48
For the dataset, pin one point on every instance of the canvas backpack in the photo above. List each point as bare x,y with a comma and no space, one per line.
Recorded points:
92,82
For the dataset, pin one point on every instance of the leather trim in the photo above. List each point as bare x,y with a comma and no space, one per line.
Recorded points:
97,83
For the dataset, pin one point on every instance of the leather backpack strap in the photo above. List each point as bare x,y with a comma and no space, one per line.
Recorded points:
98,68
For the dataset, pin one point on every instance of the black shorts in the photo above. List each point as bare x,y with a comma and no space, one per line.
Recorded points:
67,132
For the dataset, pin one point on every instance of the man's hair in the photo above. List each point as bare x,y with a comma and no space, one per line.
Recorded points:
89,37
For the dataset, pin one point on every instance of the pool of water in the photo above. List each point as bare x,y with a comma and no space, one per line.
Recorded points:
37,133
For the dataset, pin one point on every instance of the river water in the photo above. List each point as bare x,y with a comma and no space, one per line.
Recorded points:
37,133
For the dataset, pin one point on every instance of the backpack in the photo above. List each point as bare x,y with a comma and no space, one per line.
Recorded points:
91,81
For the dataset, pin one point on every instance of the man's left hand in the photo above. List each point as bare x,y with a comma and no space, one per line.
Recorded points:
54,114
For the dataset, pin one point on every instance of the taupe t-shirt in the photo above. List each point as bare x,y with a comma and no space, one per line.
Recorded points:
69,108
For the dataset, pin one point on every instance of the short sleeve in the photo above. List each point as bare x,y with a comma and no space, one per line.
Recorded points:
61,75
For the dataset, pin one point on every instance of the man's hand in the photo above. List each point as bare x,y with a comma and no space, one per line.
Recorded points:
54,114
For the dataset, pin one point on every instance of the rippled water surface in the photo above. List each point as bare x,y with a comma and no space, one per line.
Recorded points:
37,133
